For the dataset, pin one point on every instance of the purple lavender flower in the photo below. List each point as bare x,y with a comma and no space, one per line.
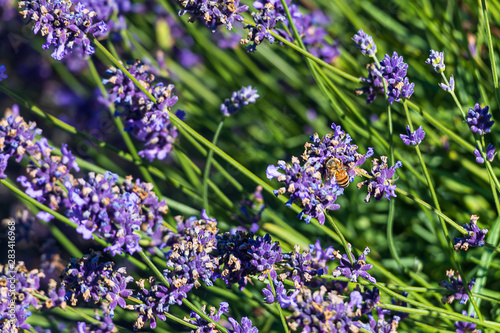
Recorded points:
238,100
190,252
353,270
213,13
45,177
149,122
365,43
393,69
244,327
16,135
265,21
374,84
381,324
479,119
436,60
413,138
448,87
241,255
205,326
16,285
324,311
306,265
3,76
475,238
100,206
456,286
310,183
380,184
66,26
490,154
89,278
466,327
282,297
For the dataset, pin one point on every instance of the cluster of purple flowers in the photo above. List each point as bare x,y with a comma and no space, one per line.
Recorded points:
380,184
67,26
240,98
479,119
116,212
436,60
149,122
265,21
311,183
475,238
213,13
356,268
466,327
490,154
456,286
393,69
413,138
91,279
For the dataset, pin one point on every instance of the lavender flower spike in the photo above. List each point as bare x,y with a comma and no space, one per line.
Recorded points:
464,326
479,119
456,287
448,87
238,100
380,185
66,26
436,60
490,154
413,138
475,238
353,270
365,43
3,76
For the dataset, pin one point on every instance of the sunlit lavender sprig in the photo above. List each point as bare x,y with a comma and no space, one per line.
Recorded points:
66,25
311,184
239,99
380,185
413,138
456,286
475,238
265,21
149,122
436,60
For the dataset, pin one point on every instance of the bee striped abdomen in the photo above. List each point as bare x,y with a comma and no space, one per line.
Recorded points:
342,178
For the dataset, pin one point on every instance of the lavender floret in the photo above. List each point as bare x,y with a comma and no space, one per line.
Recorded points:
475,238
240,98
479,119
365,43
413,138
436,60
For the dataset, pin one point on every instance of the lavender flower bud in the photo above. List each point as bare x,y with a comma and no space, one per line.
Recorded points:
449,88
479,119
413,138
456,286
490,154
353,270
475,238
238,100
365,43
436,60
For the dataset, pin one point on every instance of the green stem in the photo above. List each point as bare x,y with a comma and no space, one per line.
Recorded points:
208,164
343,241
278,305
484,13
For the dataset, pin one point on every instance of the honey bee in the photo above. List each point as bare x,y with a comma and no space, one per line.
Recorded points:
336,168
